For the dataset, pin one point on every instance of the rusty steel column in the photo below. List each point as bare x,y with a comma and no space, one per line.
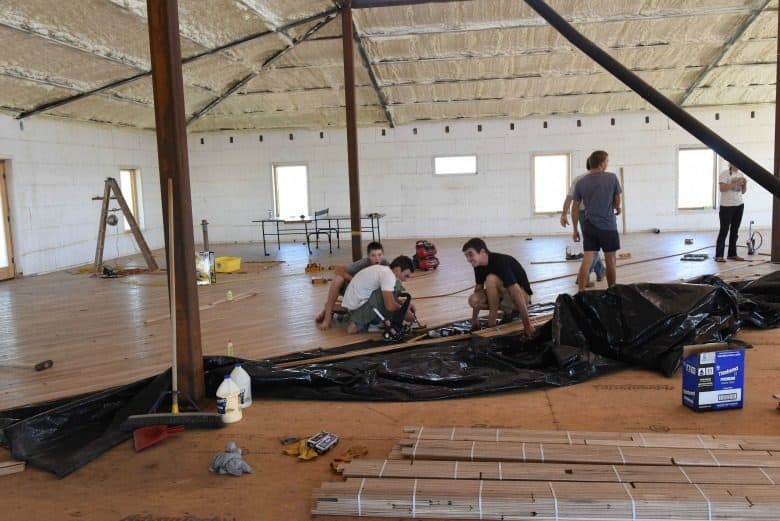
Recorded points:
352,144
172,156
776,201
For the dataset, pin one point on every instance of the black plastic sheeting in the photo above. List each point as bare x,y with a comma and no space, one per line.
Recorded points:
591,333
73,432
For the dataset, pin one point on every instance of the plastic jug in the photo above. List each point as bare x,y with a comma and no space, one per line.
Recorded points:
244,382
228,400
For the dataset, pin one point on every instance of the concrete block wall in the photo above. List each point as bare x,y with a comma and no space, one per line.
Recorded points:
233,181
53,170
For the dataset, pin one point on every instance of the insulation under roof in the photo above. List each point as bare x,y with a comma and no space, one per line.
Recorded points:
252,64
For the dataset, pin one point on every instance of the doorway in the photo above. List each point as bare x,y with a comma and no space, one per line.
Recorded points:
7,270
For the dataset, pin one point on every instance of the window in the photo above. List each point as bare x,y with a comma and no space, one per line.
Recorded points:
130,184
695,178
551,182
455,165
291,190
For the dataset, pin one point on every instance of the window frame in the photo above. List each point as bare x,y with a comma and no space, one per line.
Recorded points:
443,174
136,204
714,191
275,189
567,183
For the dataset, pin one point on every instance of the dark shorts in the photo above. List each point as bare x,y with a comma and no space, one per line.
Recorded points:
595,239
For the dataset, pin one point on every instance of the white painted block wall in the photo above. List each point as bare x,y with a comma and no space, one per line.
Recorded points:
232,182
56,167
53,171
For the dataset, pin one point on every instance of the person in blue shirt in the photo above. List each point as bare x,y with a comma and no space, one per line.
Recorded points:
599,191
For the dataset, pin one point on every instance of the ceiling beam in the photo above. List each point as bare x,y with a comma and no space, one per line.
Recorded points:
539,51
70,99
724,50
367,4
124,81
246,79
61,85
539,22
372,76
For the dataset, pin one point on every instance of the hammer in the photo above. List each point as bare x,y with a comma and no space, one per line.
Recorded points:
40,366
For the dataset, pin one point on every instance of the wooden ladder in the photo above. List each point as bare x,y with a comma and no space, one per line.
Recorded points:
111,185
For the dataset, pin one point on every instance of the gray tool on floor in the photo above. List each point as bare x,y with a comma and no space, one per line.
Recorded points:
694,257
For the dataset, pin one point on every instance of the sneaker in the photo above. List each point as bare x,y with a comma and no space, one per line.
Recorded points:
720,259
736,258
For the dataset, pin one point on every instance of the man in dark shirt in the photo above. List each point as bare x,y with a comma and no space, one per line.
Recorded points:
501,281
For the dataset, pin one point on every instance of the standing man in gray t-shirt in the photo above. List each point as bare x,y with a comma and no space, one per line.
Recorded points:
344,274
599,191
597,266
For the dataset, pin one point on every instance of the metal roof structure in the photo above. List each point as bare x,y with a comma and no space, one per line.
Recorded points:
264,64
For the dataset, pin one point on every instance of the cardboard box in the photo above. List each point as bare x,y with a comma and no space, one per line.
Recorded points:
713,377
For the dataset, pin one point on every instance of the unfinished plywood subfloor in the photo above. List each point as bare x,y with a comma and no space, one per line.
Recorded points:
105,332
171,481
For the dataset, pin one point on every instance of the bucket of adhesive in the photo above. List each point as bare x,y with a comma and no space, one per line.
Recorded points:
244,383
227,264
713,376
229,400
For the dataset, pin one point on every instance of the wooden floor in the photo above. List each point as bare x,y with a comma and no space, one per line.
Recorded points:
95,331
105,332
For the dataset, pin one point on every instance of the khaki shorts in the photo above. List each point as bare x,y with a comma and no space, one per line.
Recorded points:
505,301
363,316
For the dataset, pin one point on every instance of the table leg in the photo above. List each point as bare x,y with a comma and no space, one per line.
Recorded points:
306,231
278,245
265,250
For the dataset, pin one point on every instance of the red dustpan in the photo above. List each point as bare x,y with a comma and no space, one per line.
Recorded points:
153,434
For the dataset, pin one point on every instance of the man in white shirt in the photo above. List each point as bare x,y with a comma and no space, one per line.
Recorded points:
732,184
341,279
377,287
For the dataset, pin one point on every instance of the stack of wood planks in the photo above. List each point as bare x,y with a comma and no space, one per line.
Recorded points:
11,467
519,474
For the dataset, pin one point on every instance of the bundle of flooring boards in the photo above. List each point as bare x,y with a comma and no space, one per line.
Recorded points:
11,467
517,474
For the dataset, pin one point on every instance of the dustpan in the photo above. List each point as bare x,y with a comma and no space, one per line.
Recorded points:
145,437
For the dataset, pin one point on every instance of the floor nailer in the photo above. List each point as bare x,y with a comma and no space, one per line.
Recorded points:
395,328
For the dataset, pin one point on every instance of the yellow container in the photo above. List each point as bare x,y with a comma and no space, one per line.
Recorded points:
228,264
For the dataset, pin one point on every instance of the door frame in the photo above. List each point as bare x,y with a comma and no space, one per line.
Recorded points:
8,272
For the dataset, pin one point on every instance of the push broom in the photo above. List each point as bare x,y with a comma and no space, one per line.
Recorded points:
203,420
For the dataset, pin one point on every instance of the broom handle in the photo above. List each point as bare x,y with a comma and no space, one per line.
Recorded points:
172,301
